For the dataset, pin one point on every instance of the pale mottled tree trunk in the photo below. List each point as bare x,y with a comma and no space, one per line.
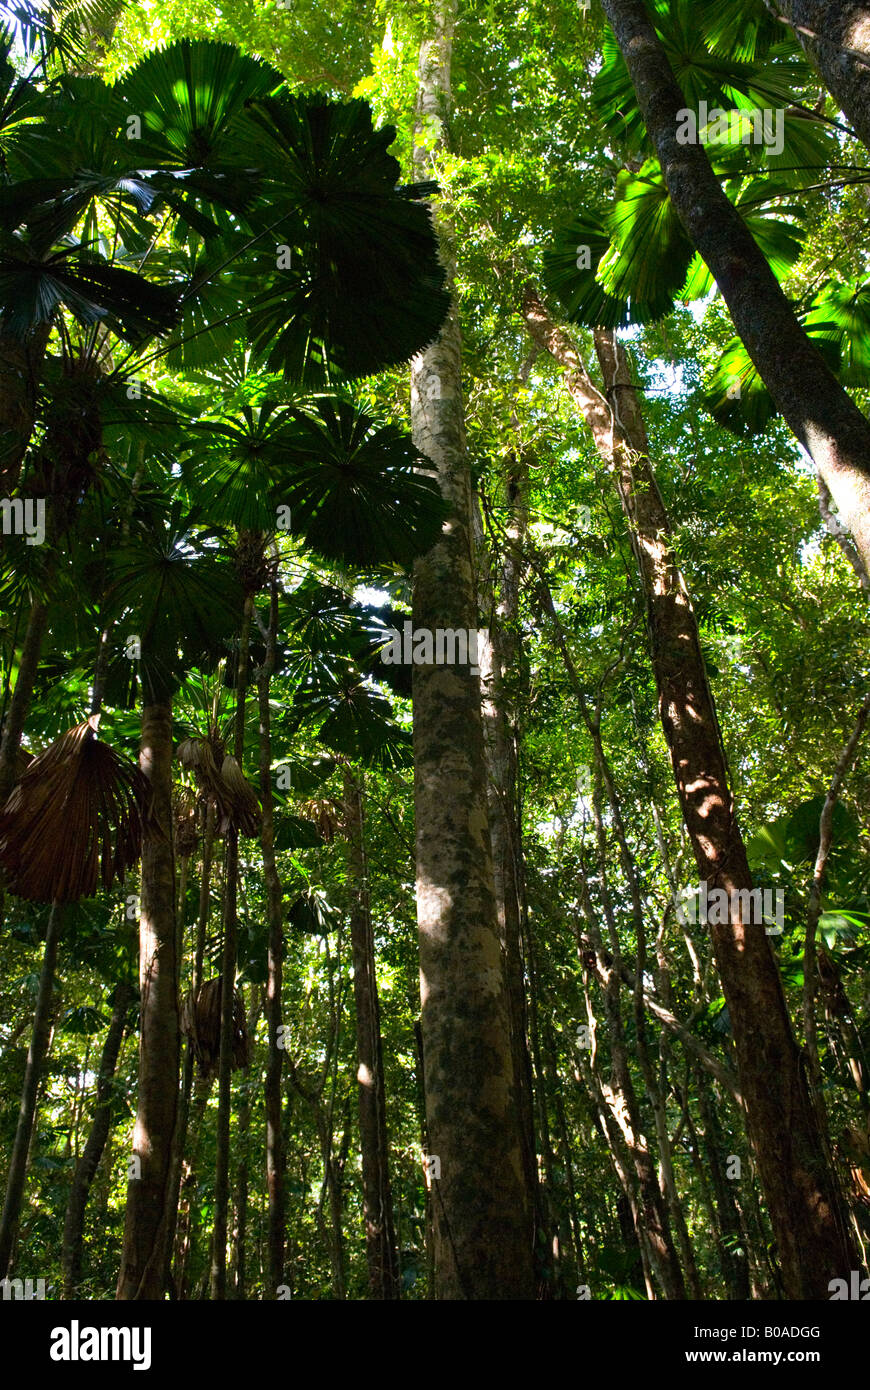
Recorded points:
481,1208
143,1268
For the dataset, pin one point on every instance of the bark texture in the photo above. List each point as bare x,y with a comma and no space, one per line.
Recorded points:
143,1268
836,37
481,1208
228,983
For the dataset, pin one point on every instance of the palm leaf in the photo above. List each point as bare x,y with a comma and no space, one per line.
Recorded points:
74,821
841,315
366,287
353,488
189,96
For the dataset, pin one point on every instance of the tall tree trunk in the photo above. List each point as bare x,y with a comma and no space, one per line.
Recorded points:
498,656
836,36
482,1210
275,917
228,985
180,1141
801,1188
381,1253
143,1268
820,412
29,1091
87,1165
240,1206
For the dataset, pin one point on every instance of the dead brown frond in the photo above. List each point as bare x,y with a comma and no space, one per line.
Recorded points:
327,816
220,778
201,1022
186,822
74,819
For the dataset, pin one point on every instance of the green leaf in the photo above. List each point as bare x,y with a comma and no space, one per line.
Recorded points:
366,287
189,97
353,491
841,315
83,1021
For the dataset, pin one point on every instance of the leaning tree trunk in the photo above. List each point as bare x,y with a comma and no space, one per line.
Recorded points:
816,407
381,1253
143,1267
836,36
29,1091
482,1210
799,1183
71,1255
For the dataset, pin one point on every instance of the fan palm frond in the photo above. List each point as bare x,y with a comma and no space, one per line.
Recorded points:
201,1022
74,820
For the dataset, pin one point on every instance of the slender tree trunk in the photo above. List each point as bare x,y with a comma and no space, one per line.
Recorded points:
619,1092
240,1226
13,726
20,364
498,656
820,412
332,1192
735,1265
87,1165
228,985
601,1104
275,1159
32,1075
482,1210
143,1268
800,1185
180,1143
836,36
381,1254
549,1256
